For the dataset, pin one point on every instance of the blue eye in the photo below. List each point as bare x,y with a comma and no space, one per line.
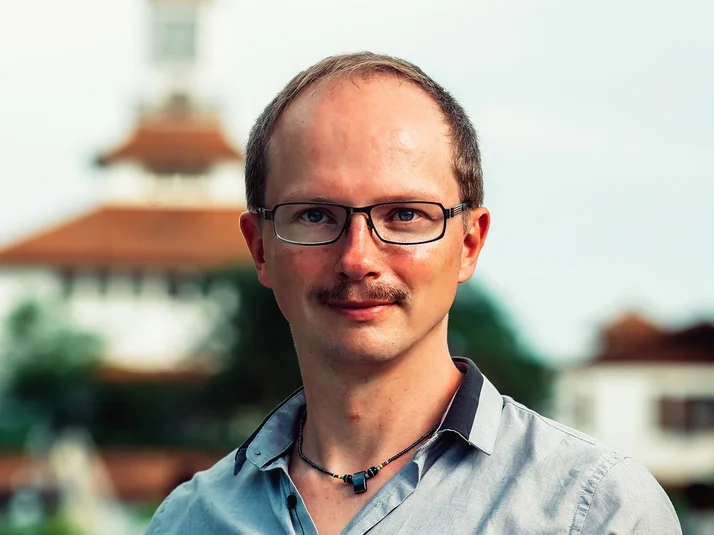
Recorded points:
312,216
406,215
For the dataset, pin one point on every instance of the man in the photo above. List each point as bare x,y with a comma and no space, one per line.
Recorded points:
365,193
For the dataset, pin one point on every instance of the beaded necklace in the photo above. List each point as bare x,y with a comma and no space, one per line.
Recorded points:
359,479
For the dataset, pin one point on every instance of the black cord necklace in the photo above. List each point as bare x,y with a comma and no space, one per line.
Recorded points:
359,479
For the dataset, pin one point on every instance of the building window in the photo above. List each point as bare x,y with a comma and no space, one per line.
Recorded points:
175,37
687,415
137,280
182,285
67,278
102,281
702,414
173,284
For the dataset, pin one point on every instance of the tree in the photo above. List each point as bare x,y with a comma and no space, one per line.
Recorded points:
52,378
49,362
479,330
259,364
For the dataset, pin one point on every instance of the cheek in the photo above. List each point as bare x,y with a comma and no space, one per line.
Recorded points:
430,266
285,280
293,269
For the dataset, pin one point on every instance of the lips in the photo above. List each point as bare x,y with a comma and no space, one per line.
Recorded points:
360,310
359,304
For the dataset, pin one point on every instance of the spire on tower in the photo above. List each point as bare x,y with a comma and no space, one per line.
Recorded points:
175,47
178,152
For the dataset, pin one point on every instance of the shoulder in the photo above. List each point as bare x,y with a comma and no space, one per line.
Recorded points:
236,487
612,492
626,499
193,504
540,426
546,441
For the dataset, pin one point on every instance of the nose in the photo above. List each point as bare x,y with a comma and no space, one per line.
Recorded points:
359,254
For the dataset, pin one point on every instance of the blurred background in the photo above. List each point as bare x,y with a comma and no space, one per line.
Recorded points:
137,346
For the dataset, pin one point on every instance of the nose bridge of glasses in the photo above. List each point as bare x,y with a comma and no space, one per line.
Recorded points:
356,211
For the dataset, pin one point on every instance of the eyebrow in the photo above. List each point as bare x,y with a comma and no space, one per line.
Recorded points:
303,196
414,195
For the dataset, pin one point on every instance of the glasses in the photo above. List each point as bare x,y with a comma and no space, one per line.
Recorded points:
400,223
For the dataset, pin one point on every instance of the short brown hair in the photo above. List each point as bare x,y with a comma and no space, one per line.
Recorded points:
466,155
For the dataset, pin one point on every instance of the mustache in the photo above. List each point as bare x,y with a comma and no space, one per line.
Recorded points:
344,290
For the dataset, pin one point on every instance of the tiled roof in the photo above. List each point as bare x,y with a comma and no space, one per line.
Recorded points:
182,238
175,143
633,338
177,374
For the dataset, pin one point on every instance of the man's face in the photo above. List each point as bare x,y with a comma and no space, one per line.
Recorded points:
360,300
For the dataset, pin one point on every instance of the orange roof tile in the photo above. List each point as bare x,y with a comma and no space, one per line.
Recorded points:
633,338
630,327
180,374
175,143
182,238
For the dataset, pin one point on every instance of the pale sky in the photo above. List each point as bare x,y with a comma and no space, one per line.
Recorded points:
595,121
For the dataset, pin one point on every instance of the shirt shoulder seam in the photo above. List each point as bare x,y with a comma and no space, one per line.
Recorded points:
582,508
608,458
551,424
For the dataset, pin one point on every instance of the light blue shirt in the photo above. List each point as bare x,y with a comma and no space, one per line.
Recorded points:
494,467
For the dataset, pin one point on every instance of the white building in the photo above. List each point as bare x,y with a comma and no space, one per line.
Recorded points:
650,393
172,197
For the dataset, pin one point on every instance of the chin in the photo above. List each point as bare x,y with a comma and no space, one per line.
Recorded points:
361,348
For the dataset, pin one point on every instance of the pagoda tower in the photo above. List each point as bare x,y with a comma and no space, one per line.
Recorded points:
178,154
172,195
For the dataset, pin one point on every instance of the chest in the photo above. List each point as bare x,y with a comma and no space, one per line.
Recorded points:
478,511
332,504
454,498
330,513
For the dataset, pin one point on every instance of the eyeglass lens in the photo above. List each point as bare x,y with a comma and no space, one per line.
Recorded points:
397,222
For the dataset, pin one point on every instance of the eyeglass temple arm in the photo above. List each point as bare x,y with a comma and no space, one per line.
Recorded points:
451,212
265,213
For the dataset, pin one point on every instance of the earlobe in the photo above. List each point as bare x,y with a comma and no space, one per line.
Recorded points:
250,227
474,239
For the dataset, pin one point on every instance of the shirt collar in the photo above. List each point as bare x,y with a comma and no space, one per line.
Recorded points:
274,435
475,411
474,415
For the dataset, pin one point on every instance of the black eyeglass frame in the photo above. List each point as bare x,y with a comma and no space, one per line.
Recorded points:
268,215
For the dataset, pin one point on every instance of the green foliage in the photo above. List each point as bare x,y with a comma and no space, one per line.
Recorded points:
52,379
479,330
53,526
143,414
49,362
259,363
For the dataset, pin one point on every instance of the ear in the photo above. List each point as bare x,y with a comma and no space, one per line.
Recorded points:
479,220
251,229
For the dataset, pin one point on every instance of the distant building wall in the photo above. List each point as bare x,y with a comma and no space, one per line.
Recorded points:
128,183
146,319
23,282
660,413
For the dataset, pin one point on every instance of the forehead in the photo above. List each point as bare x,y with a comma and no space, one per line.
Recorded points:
356,140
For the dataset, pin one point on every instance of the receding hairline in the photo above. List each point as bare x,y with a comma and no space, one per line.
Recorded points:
353,75
461,134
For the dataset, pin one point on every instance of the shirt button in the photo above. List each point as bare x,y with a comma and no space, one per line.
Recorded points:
257,452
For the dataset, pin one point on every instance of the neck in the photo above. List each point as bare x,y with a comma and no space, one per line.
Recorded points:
360,415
